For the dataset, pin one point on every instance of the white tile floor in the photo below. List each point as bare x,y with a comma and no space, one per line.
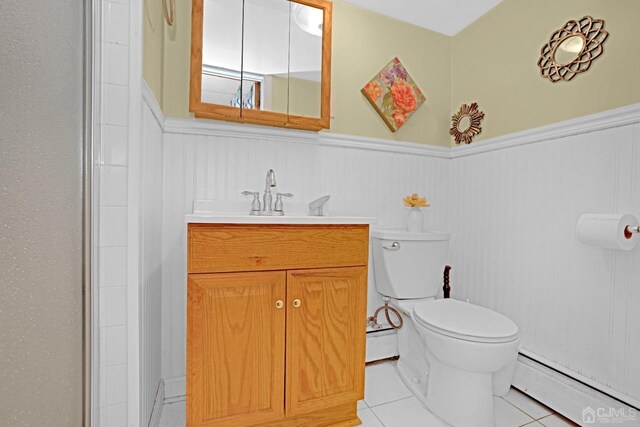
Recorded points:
388,403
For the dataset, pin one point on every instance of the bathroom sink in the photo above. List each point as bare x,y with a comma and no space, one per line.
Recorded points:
233,212
287,219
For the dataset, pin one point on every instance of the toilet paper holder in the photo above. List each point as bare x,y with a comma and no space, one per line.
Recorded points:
629,231
609,231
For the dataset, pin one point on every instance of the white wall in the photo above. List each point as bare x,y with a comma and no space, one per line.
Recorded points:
202,162
150,258
511,208
119,252
111,182
513,248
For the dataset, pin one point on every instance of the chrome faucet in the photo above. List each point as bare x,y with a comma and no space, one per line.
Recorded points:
270,182
268,207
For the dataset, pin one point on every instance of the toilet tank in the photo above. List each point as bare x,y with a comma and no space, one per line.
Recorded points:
409,265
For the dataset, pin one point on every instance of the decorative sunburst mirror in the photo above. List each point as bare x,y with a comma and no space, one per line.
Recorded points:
465,124
571,49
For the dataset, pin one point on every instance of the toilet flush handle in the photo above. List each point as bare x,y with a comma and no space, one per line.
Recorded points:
394,246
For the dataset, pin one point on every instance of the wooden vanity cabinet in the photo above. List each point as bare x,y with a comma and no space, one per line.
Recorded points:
276,320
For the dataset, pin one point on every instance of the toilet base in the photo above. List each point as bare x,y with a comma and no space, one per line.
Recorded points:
417,384
461,398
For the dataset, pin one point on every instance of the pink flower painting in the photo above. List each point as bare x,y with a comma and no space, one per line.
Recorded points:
394,94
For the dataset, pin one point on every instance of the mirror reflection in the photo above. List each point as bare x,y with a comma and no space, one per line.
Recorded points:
464,123
305,61
221,62
569,50
270,59
266,52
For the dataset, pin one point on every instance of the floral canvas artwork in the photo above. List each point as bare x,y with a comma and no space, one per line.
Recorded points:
394,94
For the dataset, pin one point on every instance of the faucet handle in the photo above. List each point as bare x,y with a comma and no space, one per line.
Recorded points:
279,205
255,204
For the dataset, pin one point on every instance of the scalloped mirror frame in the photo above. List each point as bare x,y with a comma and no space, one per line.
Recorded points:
593,34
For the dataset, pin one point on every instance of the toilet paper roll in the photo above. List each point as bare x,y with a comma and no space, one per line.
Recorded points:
608,231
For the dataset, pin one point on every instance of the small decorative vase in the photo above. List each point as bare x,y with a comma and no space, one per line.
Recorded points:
415,220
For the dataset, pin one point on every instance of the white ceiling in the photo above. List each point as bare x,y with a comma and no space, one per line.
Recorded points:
444,16
267,36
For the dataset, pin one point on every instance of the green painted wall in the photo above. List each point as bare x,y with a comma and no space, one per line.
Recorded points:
494,62
153,39
303,96
363,42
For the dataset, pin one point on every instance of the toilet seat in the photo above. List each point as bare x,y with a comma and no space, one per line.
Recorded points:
465,321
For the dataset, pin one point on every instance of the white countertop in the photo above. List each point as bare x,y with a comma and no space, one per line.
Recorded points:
209,218
227,212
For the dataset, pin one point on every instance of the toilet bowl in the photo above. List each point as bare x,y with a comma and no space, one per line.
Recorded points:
472,353
454,355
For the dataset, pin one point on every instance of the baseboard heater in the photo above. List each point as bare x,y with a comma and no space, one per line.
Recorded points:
566,392
381,345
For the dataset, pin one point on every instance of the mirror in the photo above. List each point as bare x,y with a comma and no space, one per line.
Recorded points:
305,68
265,54
464,123
262,61
569,49
572,48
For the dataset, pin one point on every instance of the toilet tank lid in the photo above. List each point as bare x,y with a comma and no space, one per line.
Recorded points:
405,235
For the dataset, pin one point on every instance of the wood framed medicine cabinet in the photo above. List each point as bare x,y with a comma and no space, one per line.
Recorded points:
265,62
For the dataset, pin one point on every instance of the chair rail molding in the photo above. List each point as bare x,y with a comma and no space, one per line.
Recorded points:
622,116
603,120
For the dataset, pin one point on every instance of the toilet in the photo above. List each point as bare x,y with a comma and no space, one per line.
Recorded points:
454,356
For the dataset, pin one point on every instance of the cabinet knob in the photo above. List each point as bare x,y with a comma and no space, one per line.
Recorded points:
297,303
279,304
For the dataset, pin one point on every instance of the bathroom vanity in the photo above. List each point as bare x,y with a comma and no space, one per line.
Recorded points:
276,320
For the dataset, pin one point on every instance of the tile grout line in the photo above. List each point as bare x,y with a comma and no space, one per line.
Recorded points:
391,401
377,418
382,404
532,418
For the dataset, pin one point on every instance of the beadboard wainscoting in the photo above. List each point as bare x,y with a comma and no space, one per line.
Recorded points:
510,203
514,249
151,263
211,163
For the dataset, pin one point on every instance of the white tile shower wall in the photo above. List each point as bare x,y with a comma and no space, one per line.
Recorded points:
111,182
513,215
360,182
116,67
150,259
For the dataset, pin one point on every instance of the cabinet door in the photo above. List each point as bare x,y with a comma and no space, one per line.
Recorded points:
235,348
326,332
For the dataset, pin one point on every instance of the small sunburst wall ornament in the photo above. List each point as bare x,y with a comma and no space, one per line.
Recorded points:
465,124
571,49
